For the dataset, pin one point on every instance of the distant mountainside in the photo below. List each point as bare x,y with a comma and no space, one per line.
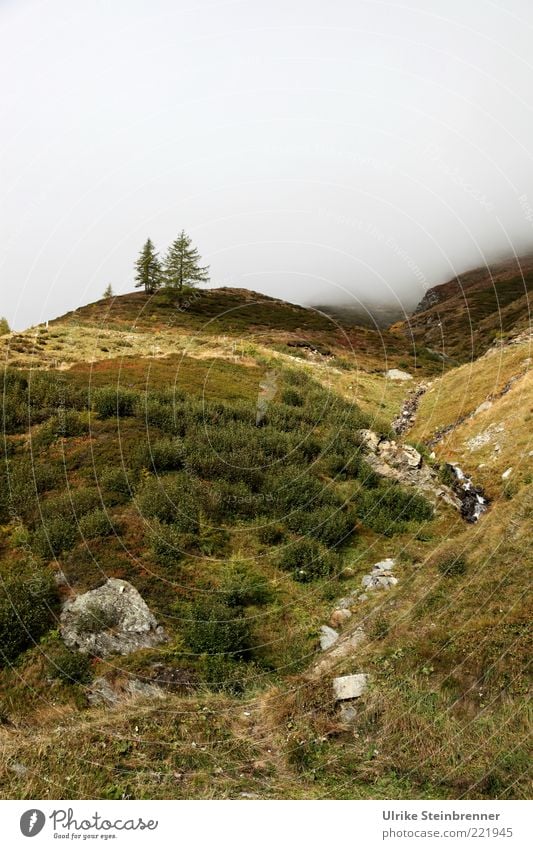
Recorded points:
462,318
367,315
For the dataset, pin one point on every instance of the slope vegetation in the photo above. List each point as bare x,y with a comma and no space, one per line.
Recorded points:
212,457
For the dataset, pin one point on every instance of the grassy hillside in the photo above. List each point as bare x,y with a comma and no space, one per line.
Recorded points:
461,319
210,456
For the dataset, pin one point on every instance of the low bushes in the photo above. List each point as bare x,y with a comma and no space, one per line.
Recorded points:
331,526
70,667
390,510
109,402
115,485
215,628
54,537
164,455
95,524
172,501
28,602
166,544
243,587
307,561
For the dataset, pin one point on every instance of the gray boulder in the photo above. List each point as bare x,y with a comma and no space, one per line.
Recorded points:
398,374
112,619
102,692
350,686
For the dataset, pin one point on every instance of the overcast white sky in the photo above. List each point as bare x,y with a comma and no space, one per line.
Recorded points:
313,149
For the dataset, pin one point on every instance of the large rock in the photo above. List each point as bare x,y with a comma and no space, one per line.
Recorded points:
113,619
350,686
398,374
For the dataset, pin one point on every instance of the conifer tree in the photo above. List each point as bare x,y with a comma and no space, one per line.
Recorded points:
108,291
4,326
148,269
181,267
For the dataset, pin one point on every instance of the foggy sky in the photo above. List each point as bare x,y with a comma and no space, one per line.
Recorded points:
315,150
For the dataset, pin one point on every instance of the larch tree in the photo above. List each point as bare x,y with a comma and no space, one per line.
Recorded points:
181,266
4,326
148,269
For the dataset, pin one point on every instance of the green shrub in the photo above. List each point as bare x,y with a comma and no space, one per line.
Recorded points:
451,565
166,544
28,602
13,402
331,526
390,510
50,391
213,541
115,484
242,587
54,537
165,455
69,423
110,401
214,628
294,490
24,482
96,524
446,475
223,500
225,675
171,500
292,397
71,504
70,667
161,414
271,534
307,561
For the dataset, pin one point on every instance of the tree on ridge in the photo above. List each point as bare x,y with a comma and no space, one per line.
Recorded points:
148,269
181,266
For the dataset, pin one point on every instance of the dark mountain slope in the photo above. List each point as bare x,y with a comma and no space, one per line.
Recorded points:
462,318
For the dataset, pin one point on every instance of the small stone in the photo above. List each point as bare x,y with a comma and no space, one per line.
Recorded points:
348,712
340,616
60,578
386,581
507,473
350,686
385,565
346,601
328,637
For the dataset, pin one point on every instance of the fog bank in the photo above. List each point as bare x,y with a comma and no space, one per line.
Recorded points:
318,152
